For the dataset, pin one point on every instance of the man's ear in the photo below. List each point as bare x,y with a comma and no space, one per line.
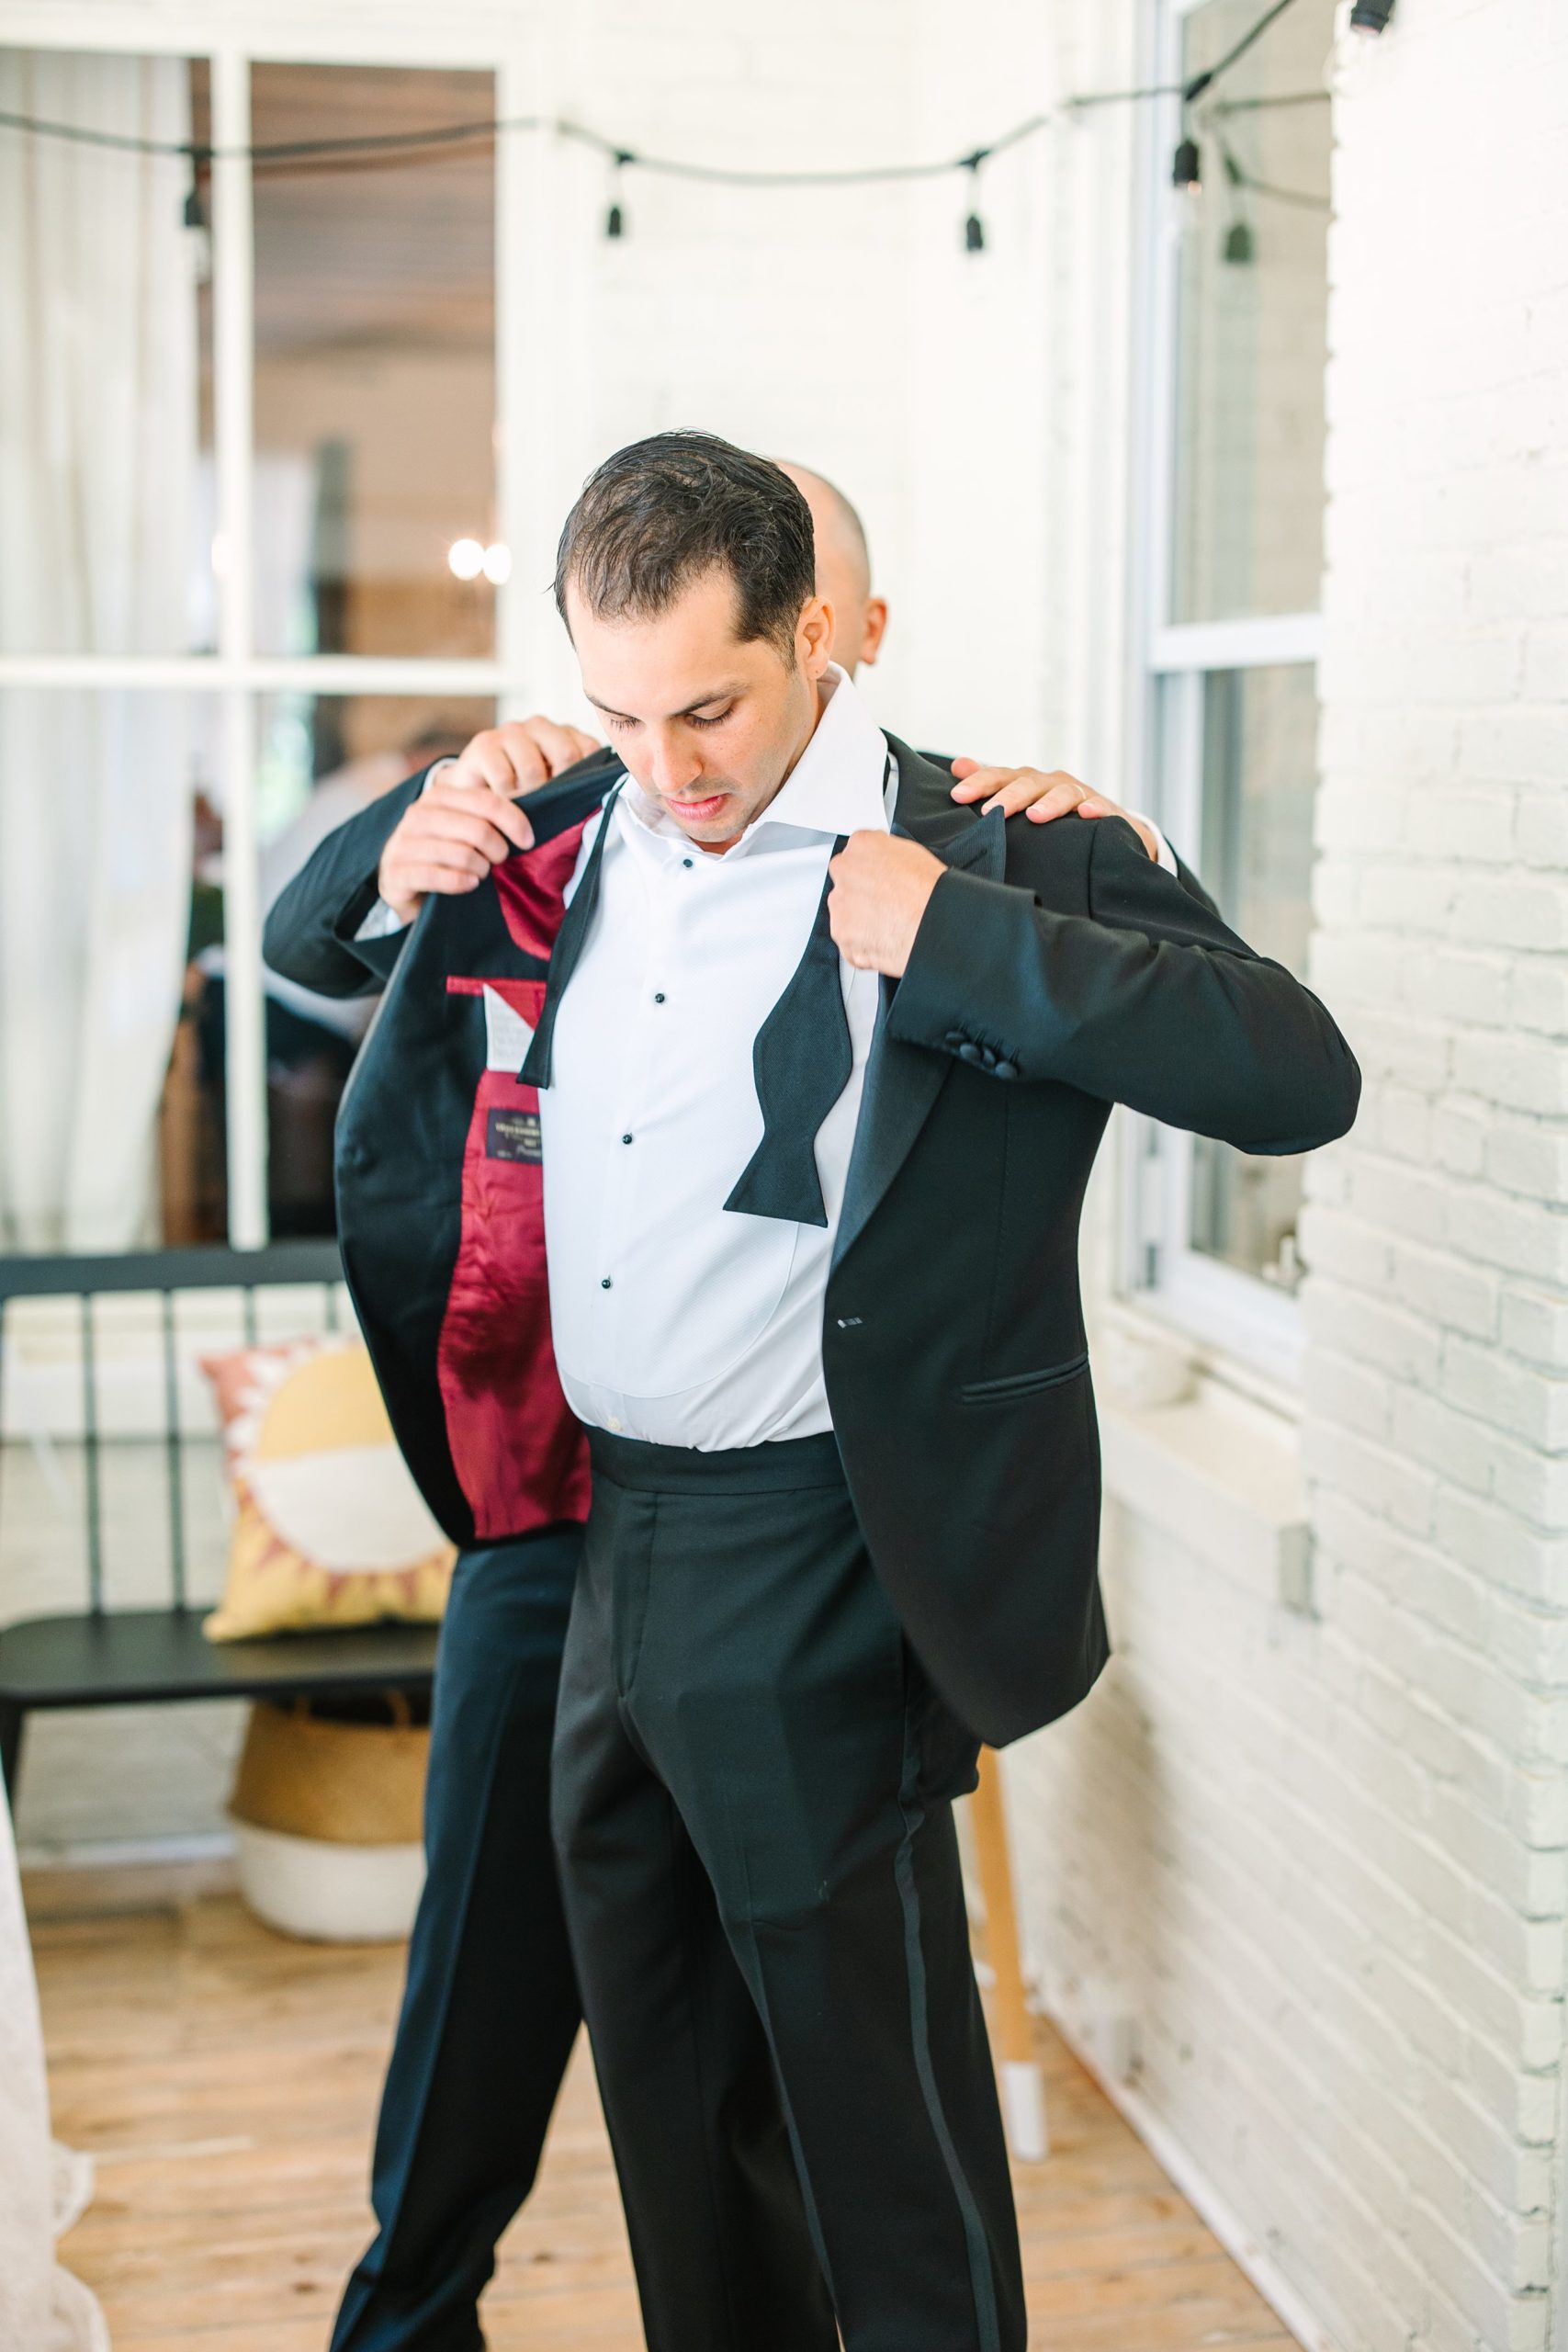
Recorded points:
876,626
814,636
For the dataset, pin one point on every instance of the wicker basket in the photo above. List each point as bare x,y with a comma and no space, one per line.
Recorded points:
348,1783
328,1820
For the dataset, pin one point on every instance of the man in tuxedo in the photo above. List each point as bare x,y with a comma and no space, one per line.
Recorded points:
490,2009
821,1067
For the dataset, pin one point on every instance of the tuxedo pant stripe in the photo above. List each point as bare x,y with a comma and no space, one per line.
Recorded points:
987,2323
491,2011
753,1783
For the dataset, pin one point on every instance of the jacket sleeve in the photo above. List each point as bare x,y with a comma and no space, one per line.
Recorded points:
1148,1001
1194,887
309,935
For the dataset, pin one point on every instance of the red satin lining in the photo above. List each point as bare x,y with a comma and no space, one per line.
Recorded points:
524,996
531,890
519,1452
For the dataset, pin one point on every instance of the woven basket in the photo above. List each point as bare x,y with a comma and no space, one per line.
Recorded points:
346,1783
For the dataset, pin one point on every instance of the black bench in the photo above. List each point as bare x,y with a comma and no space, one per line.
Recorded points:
109,1658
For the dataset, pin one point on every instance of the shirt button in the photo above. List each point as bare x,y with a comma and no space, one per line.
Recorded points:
626,1138
605,1282
658,996
686,863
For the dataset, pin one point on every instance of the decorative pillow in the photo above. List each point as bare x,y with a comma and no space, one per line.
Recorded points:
330,1529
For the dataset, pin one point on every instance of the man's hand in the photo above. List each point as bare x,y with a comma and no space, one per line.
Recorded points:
466,819
1040,796
520,755
882,887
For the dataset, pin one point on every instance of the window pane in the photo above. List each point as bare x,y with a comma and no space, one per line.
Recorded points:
1260,775
320,762
104,907
106,511
1251,341
375,384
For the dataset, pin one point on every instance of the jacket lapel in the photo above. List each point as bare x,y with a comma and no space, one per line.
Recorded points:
903,1081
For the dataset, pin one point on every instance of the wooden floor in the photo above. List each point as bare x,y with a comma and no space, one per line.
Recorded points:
225,2080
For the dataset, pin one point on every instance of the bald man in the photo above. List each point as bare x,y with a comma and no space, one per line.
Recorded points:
843,569
490,2009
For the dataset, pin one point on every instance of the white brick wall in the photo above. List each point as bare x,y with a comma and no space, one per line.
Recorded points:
1324,1863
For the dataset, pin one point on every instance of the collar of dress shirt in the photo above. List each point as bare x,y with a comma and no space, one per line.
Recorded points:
836,786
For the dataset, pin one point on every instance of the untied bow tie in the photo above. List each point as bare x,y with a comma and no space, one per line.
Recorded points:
801,1061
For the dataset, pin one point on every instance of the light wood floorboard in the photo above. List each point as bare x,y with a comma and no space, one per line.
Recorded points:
225,2080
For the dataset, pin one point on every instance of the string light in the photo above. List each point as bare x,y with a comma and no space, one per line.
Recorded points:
373,148
974,227
616,218
195,207
1187,171
1237,248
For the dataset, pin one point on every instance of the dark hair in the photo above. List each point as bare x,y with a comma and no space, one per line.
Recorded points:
658,514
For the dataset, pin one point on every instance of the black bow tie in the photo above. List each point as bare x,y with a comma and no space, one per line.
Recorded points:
802,1059
801,1062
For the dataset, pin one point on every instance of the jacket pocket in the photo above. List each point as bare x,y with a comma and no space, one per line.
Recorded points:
1021,1383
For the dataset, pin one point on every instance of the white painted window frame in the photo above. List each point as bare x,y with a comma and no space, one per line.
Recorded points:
1238,1315
523,57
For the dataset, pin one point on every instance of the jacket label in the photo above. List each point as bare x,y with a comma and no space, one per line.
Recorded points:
507,1036
512,1134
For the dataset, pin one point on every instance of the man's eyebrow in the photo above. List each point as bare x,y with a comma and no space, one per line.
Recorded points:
719,694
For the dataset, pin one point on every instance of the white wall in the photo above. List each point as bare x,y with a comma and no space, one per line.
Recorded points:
1311,1866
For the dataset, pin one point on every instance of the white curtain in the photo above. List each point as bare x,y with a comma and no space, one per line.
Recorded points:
42,2188
99,431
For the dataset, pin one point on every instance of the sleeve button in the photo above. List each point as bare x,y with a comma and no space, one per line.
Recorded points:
969,1051
1006,1069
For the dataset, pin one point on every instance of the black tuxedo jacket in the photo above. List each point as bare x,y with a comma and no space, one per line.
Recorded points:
1056,970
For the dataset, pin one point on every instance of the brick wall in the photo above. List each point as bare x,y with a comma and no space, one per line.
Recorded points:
1311,1871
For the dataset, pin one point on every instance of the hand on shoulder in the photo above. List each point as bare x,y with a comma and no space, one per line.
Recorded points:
1042,797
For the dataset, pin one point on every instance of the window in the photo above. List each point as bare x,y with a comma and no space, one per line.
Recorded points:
1234,563
259,416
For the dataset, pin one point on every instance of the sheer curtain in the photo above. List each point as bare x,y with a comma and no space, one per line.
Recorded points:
98,432
42,2188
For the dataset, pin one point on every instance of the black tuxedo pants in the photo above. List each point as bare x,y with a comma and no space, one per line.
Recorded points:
490,2009
752,1773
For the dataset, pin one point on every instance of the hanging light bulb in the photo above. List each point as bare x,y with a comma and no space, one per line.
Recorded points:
974,227
1238,246
197,225
1187,171
616,218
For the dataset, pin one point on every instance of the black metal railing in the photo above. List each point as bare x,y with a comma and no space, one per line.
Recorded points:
165,1274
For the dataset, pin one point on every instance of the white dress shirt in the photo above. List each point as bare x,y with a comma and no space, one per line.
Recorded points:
675,1319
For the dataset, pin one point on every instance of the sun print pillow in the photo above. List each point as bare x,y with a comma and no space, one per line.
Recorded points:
330,1529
